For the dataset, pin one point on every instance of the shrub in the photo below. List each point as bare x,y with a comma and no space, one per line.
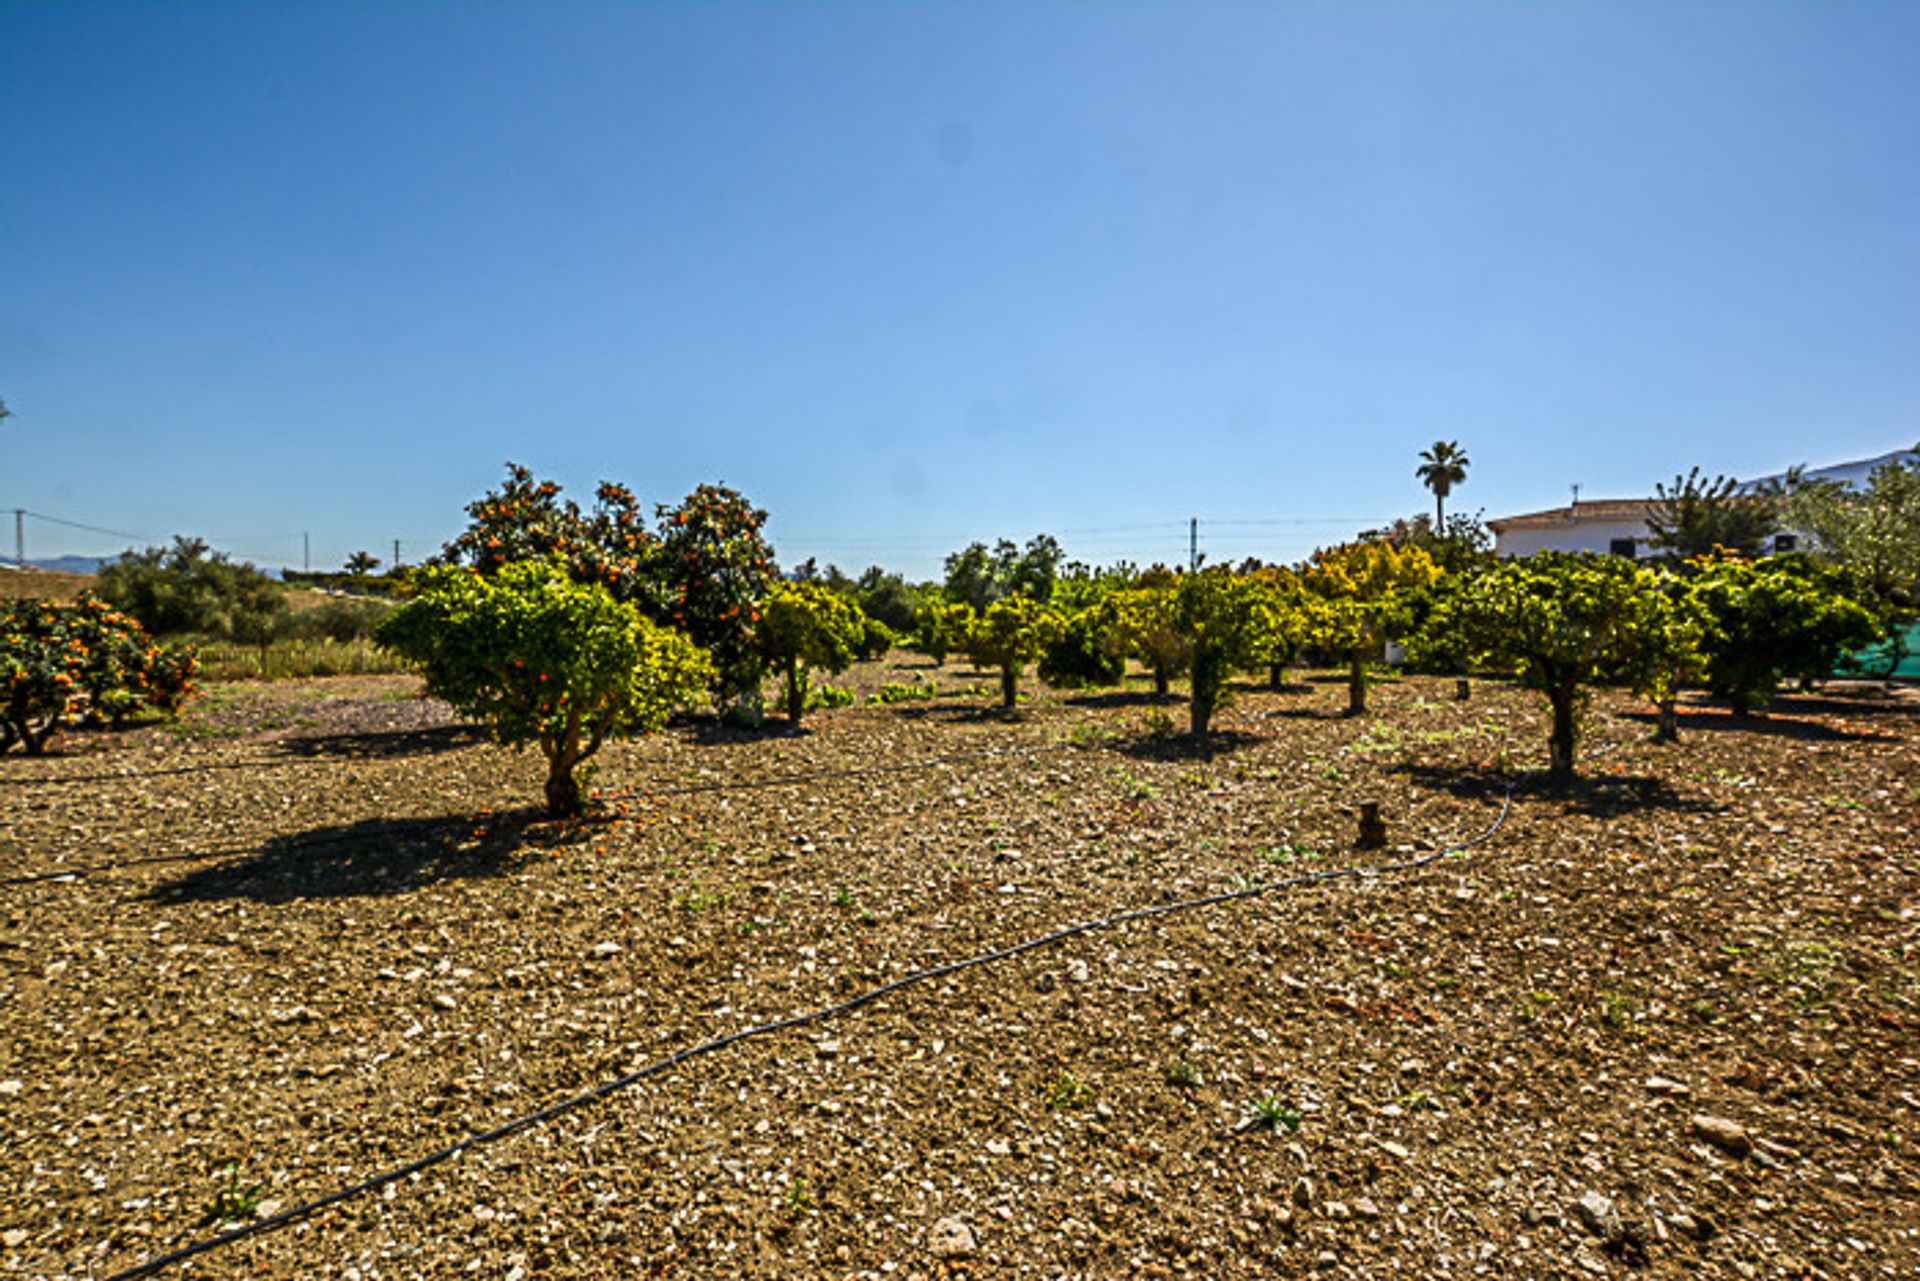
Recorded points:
543,659
188,590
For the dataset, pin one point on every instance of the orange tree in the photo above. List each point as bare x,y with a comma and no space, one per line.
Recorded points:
1562,622
806,625
526,519
1012,633
1140,622
1226,621
56,661
713,569
544,659
1358,597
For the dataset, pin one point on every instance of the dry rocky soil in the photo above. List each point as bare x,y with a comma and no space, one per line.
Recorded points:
1662,1023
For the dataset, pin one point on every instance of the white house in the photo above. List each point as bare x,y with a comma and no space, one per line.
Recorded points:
1618,526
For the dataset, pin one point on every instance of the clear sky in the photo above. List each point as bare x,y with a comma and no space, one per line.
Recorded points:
912,274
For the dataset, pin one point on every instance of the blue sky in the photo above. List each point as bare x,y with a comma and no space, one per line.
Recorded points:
911,275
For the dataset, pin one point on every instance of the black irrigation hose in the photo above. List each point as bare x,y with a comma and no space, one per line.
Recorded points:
658,1066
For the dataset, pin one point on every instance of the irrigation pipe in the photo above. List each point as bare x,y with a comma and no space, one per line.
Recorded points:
286,1218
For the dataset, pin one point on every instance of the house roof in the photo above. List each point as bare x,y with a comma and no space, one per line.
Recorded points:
1598,509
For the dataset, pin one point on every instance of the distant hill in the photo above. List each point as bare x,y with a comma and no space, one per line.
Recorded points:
73,564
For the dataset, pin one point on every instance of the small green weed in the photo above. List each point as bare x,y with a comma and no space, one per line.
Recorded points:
1068,1091
1270,1113
235,1201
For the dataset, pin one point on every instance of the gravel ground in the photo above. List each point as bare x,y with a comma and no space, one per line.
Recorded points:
1662,1023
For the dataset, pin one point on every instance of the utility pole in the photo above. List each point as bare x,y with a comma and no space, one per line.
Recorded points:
1193,545
396,553
306,552
20,537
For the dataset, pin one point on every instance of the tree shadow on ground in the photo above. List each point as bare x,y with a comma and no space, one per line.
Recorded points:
1860,701
960,714
1592,795
1185,747
372,858
1123,698
714,731
1774,726
383,745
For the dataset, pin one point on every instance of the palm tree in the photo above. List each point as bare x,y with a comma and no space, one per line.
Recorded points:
1445,466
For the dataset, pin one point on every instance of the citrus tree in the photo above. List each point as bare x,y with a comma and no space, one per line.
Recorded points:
1358,598
1784,616
59,661
1141,623
941,627
1226,620
1560,623
527,519
713,569
1013,632
543,659
804,626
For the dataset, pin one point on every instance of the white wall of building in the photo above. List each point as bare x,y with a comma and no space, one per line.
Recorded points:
1572,536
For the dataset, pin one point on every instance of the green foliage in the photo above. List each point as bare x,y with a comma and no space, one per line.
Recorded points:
1359,595
804,626
899,692
714,569
940,628
1873,534
527,520
876,639
59,661
1784,616
544,659
1140,622
1012,633
336,620
1696,516
1225,620
188,590
825,695
978,577
1562,622
360,564
1080,657
888,599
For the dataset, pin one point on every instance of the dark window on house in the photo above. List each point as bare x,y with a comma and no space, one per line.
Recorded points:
1784,542
1621,547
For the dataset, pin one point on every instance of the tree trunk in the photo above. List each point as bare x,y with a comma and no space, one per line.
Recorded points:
1207,679
1560,746
1009,684
1667,728
1276,675
1159,681
563,789
1357,684
796,691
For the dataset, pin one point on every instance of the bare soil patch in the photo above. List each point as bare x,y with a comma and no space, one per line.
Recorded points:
1662,1023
